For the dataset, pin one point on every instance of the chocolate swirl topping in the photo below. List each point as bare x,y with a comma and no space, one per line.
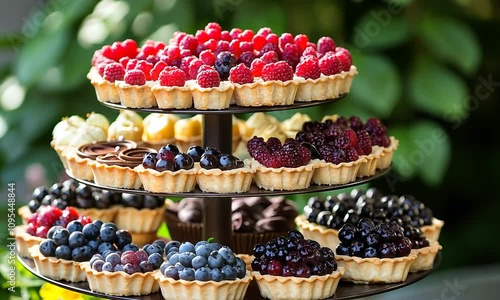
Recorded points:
93,150
126,158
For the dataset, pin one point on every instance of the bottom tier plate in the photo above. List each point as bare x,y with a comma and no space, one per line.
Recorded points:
344,291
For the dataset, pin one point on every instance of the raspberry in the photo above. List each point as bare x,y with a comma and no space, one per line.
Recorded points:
254,143
355,123
270,161
185,64
189,42
309,51
201,36
246,46
269,57
205,67
246,35
234,47
308,68
326,44
264,31
325,152
313,45
344,57
113,72
351,154
106,51
155,72
200,48
291,54
175,77
208,78
235,33
277,71
186,53
301,40
193,68
380,140
131,64
330,64
124,61
33,219
135,77
316,139
364,142
41,231
240,74
145,67
213,33
117,51
342,122
272,38
213,25
377,130
270,47
290,157
256,67
225,36
258,42
342,142
305,155
284,39
246,58
152,59
352,137
173,52
48,216
69,214
274,144
211,44
100,68
208,57
221,47
31,229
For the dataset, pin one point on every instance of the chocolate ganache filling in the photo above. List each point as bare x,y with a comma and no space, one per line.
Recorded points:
95,149
125,158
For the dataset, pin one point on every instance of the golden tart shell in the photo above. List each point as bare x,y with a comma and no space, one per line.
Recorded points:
212,98
228,181
79,167
265,93
326,237
386,153
330,174
282,178
55,268
136,96
425,257
106,91
172,97
120,283
432,232
286,288
115,176
24,241
180,181
60,150
143,220
103,214
375,270
24,212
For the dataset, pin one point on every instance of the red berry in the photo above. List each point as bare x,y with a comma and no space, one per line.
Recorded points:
31,229
352,137
117,51
69,214
185,63
313,45
326,44
213,25
113,72
131,64
186,53
33,219
145,67
173,52
351,154
129,258
277,71
272,38
201,36
364,142
246,58
291,54
124,61
305,156
274,144
235,33
189,42
205,67
330,64
256,67
309,51
344,57
240,74
175,77
270,47
208,57
258,42
211,44
275,268
221,46
194,65
269,57
301,40
208,79
285,38
85,220
269,160
264,31
234,47
155,72
148,48
130,47
135,77
308,68
246,35
41,231
213,33
224,35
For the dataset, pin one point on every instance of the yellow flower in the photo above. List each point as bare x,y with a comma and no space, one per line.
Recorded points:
51,292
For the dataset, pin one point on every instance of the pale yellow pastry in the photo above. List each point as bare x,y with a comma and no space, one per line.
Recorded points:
431,232
228,181
327,173
326,237
425,257
24,241
294,124
369,166
180,181
386,153
127,126
279,179
136,96
260,120
298,288
24,212
375,270
159,129
187,133
212,98
55,268
265,93
172,97
203,290
103,214
106,91
97,120
236,136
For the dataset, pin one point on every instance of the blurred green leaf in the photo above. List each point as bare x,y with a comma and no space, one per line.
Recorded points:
73,10
401,158
452,41
437,91
245,15
377,87
379,29
39,54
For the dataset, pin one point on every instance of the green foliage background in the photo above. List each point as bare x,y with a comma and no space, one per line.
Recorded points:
421,64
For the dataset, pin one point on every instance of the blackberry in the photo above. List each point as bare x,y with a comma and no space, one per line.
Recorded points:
273,144
351,154
254,143
342,142
364,141
355,123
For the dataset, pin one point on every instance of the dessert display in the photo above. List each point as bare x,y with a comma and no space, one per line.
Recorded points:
280,167
125,273
202,271
171,91
254,220
374,253
210,92
167,171
323,218
291,267
134,90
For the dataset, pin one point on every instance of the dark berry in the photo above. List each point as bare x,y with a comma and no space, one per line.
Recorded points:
223,63
63,252
48,248
123,237
195,152
132,200
61,236
183,161
149,161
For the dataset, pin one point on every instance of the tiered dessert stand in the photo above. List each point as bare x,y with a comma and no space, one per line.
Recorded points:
217,132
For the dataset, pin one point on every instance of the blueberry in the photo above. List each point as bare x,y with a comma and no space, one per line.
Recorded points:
39,193
94,258
105,246
171,244
107,267
61,236
130,269
186,259
165,165
76,239
216,274
167,152
228,162
107,252
91,231
295,233
209,161
97,223
342,249
215,260
198,262
229,272
160,243
149,161
187,274
213,151
48,248
113,258
81,254
47,200
132,200
183,161
97,265
154,248
83,191
118,268
203,250
33,205
101,200
202,274
123,238
195,152
224,62
179,266
171,272
170,254
50,233
108,224
214,246
174,259
85,202
156,260
241,268
228,255
200,243
55,190
108,234
132,247
259,250
186,247
146,266
164,266
152,202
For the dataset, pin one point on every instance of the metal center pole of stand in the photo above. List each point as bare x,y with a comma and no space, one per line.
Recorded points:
217,132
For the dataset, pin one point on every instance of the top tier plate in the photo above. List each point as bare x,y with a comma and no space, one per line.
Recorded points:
233,109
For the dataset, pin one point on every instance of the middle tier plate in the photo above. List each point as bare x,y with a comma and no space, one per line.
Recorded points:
254,190
233,109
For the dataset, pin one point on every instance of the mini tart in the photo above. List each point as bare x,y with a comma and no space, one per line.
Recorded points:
385,159
212,98
425,257
285,288
24,212
229,181
120,283
326,237
369,167
187,132
431,232
172,97
143,220
136,96
103,214
247,258
55,268
24,241
265,93
282,178
106,91
375,270
331,174
60,152
203,290
159,129
180,181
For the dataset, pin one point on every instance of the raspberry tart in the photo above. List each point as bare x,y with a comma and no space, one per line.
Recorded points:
291,267
210,92
134,91
280,167
171,91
